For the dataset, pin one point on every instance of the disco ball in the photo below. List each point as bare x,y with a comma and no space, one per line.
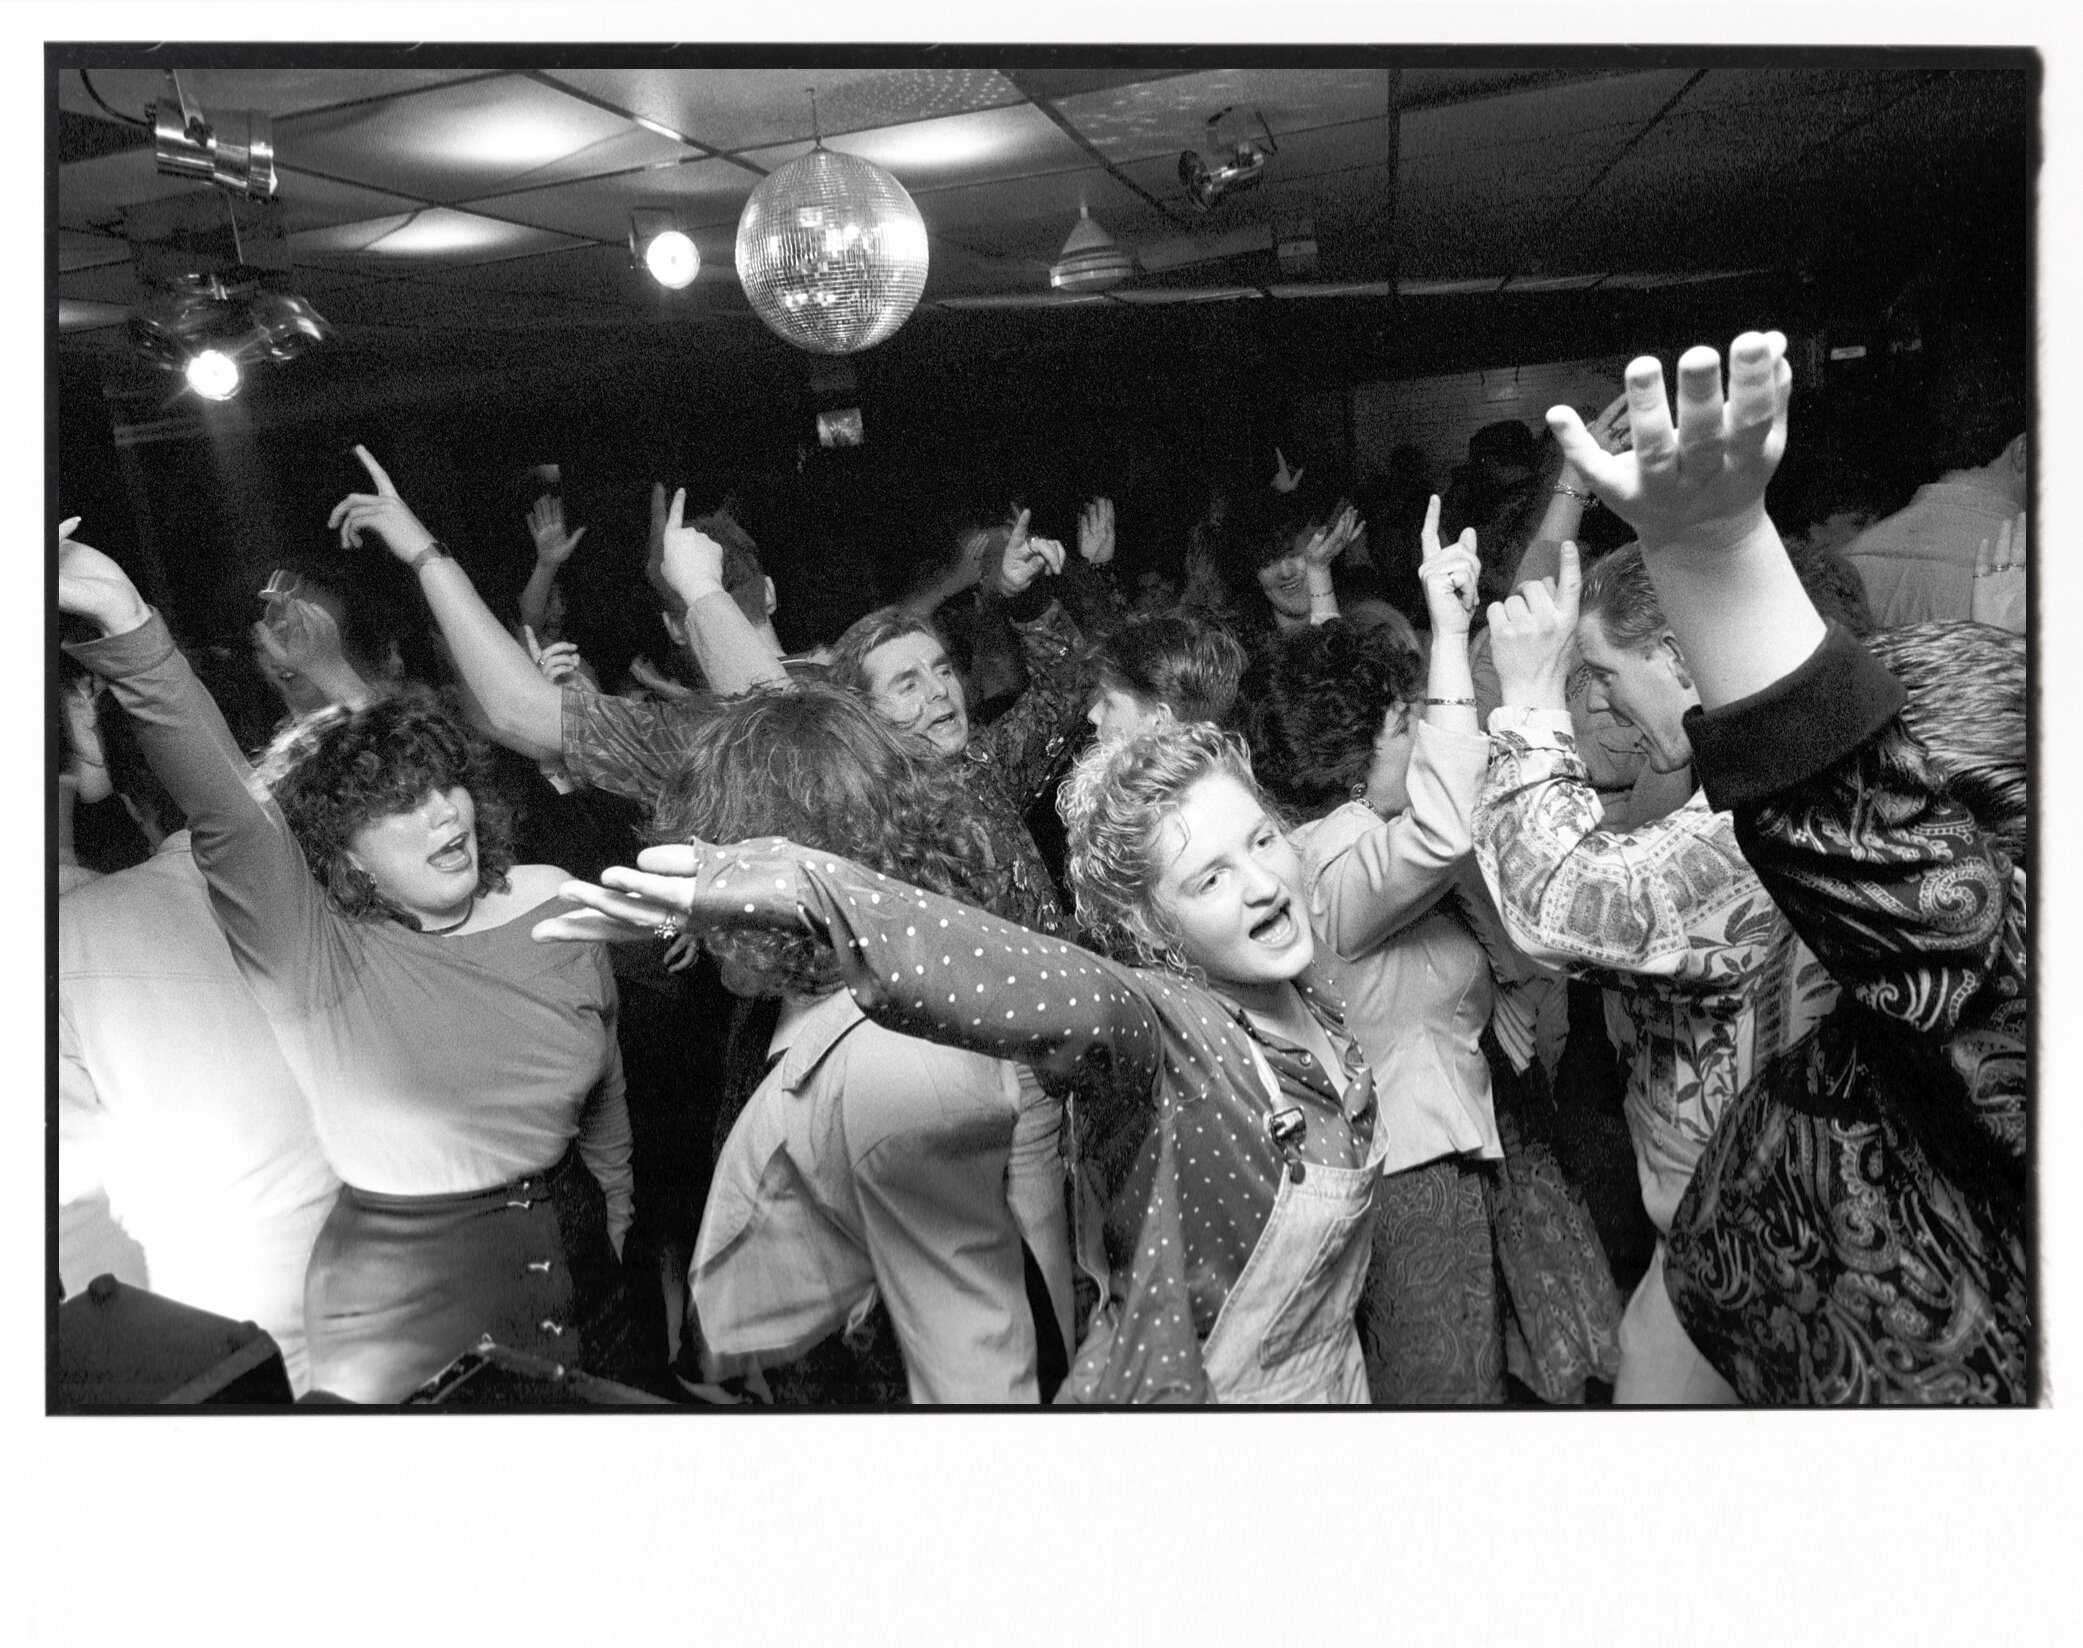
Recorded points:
832,253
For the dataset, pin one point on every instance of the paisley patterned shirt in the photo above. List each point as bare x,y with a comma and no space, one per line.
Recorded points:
1857,1232
1705,979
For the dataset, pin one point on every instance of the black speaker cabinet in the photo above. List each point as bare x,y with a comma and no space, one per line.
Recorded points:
122,1347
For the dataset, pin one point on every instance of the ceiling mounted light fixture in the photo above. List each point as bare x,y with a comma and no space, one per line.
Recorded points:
211,329
1091,259
236,151
664,248
831,251
1206,184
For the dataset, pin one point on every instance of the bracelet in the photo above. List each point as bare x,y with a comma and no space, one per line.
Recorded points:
436,550
1454,703
1587,499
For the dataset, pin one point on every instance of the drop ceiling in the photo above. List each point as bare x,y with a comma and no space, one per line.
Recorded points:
421,200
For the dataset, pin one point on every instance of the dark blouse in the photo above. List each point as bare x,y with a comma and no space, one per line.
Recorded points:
1856,1231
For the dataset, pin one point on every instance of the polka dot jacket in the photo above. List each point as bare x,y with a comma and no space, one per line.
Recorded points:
1171,1115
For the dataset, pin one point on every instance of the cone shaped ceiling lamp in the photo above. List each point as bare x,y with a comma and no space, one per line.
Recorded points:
832,252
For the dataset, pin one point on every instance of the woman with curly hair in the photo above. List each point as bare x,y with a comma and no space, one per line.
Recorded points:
457,1074
1225,1122
869,1165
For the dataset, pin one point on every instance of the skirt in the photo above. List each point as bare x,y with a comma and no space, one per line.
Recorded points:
400,1286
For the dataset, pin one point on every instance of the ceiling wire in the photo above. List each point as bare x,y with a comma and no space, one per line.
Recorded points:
127,119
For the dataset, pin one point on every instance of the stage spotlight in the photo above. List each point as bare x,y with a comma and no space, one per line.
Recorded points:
213,374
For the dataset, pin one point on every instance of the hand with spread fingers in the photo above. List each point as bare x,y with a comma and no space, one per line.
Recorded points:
1532,636
299,636
553,544
1696,482
1096,531
1026,558
382,512
1449,574
1284,478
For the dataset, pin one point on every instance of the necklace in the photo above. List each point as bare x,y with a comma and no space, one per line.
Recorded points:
437,932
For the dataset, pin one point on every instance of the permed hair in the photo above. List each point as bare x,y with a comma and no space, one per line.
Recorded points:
1968,706
1319,707
849,661
813,763
1114,803
1175,657
336,770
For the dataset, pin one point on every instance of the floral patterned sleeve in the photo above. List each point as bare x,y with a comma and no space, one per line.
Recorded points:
1031,741
1673,899
1913,909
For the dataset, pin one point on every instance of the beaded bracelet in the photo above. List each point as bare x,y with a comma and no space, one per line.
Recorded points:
1454,703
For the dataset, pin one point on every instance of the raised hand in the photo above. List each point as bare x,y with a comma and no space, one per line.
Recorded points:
92,586
1698,483
559,661
1449,574
1531,637
1999,583
1330,540
382,512
1284,478
298,637
656,681
1096,531
553,544
1025,558
691,560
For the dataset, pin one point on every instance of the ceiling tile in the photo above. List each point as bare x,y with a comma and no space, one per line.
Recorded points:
701,192
276,92
460,142
1586,111
989,146
1029,217
105,283
731,109
1164,117
434,236
602,276
93,193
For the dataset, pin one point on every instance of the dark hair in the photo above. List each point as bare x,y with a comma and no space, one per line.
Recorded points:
817,765
1319,707
1175,657
1968,703
849,660
1834,587
335,770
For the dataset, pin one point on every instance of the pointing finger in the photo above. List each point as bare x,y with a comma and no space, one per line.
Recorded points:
673,515
384,488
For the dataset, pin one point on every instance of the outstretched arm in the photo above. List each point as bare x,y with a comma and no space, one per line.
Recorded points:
525,712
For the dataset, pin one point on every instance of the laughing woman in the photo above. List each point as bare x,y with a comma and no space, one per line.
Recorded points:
1225,1119
365,886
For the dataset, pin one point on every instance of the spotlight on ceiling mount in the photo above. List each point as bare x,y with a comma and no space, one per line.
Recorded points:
236,152
1090,261
663,247
1206,184
211,327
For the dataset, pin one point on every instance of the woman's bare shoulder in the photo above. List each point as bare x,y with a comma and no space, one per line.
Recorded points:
531,884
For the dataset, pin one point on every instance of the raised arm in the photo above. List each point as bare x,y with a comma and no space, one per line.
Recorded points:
272,912
1401,866
553,547
1030,742
732,655
1569,496
523,710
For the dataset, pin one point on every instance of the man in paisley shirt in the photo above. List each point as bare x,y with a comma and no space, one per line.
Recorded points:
1859,1230
1704,978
